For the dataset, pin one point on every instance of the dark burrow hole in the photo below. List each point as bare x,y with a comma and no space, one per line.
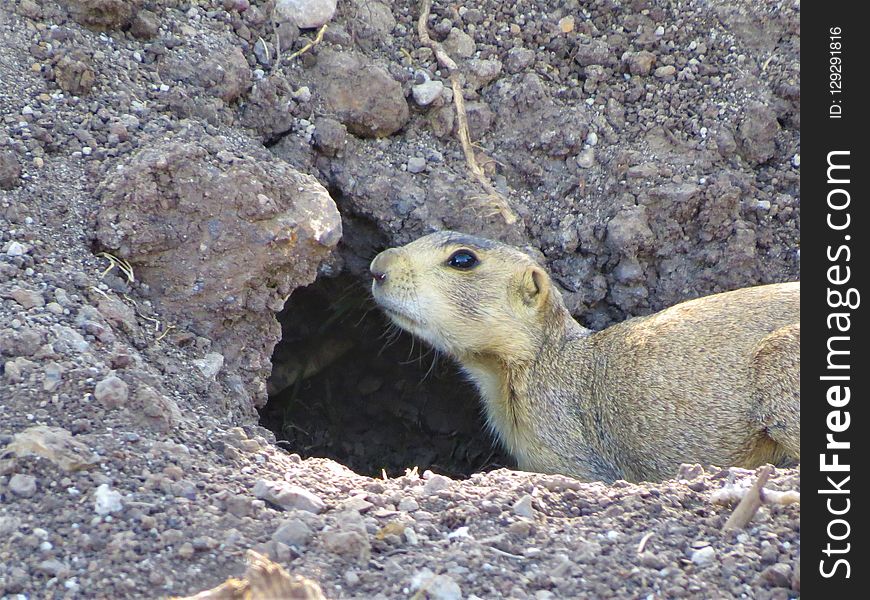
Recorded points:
346,386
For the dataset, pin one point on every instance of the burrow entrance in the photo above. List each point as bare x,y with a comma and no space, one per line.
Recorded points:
344,386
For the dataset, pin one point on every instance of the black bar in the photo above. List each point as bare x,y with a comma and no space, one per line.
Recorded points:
834,337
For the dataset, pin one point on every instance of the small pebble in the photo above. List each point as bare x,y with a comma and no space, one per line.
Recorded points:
107,500
22,485
704,556
16,249
416,164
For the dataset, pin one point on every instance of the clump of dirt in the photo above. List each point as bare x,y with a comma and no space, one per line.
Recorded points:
218,229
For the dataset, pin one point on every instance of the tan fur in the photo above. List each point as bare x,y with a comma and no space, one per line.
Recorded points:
713,380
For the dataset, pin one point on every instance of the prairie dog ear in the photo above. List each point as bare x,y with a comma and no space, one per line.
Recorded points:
534,286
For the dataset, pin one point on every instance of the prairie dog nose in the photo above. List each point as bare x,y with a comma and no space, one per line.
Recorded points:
381,264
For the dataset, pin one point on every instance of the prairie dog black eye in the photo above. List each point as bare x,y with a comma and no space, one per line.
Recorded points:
462,259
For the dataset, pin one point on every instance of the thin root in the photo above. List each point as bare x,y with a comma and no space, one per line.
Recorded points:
317,39
121,264
450,66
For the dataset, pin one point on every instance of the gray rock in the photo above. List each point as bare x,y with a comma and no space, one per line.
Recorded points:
484,72
408,505
416,164
52,567
778,575
210,365
224,73
757,133
480,119
629,229
519,59
666,72
288,496
639,63
22,485
293,532
594,52
112,392
27,298
459,44
13,370
330,136
25,342
52,376
704,556
357,504
444,587
68,340
103,14
303,94
372,19
265,52
361,94
145,25
10,174
287,34
9,525
154,409
305,14
352,544
436,483
586,159
652,560
15,248
238,505
427,92
435,587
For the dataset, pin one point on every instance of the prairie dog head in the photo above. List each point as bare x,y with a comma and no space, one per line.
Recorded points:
465,295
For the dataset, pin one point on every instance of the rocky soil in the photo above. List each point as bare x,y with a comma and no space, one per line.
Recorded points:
172,170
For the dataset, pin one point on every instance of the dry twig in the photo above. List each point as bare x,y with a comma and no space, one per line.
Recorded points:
750,503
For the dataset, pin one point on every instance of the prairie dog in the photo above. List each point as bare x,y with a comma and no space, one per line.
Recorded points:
713,380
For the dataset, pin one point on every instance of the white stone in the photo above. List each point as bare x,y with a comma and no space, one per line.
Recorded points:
416,164
306,14
107,500
16,249
427,92
586,159
210,365
703,556
523,507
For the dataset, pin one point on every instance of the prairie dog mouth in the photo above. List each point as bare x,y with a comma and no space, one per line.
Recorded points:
397,311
